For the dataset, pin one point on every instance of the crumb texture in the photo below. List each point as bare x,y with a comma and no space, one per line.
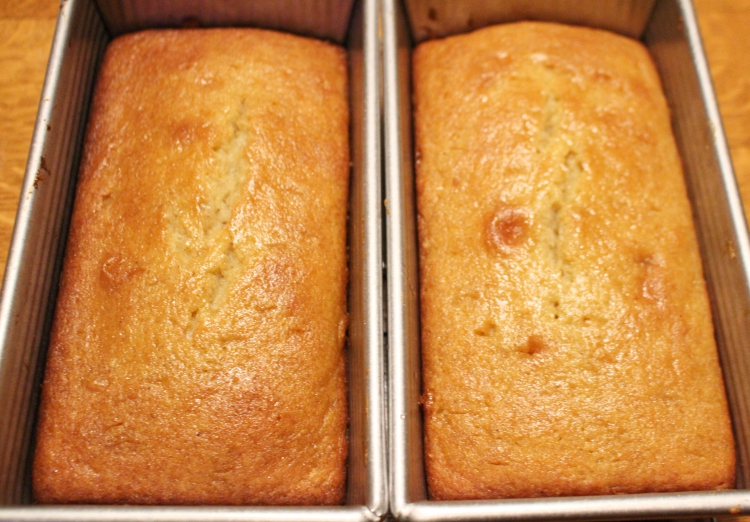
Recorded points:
197,354
567,340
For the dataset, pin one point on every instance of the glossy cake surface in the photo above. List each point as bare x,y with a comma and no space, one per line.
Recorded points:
567,340
197,355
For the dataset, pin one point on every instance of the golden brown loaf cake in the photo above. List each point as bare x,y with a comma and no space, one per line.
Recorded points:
197,350
567,340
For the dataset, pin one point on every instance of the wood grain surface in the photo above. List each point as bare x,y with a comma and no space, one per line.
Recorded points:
723,25
27,27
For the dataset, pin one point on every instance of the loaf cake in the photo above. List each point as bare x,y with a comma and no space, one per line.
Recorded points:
197,352
567,341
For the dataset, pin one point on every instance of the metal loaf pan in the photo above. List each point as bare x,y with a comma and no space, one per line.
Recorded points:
670,31
84,29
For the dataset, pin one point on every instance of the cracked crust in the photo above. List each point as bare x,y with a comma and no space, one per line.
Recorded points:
197,351
566,334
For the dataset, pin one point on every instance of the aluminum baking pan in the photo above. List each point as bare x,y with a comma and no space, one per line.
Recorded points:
669,29
83,30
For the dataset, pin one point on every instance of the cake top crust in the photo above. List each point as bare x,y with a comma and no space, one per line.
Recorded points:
197,352
567,340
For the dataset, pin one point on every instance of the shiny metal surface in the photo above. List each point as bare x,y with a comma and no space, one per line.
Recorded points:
622,507
674,41
34,259
187,514
29,291
406,473
328,19
438,18
367,462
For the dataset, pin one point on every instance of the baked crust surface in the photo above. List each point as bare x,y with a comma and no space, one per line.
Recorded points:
197,354
567,340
